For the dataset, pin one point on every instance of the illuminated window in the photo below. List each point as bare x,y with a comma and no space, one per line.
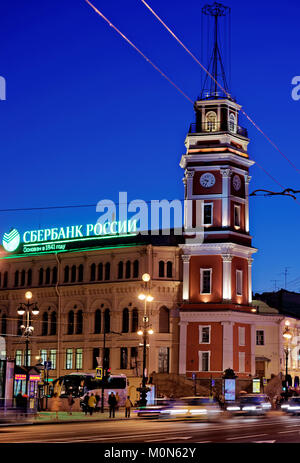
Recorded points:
232,123
163,359
43,355
53,359
69,359
19,354
239,282
78,359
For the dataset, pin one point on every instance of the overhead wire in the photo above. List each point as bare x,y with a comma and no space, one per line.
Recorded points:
217,83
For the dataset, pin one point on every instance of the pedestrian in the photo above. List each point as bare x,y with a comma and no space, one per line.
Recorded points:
117,401
92,403
86,403
128,405
19,403
71,402
55,405
112,404
25,403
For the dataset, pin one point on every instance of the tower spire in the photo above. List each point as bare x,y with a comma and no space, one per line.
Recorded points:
210,89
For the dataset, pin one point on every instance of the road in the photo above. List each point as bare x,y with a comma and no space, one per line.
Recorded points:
271,429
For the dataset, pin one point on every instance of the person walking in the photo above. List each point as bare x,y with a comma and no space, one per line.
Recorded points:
71,402
86,403
112,404
128,405
92,403
117,401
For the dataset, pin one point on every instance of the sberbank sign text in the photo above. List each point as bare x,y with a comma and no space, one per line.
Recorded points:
79,231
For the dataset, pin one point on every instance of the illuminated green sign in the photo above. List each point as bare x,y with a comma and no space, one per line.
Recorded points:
61,238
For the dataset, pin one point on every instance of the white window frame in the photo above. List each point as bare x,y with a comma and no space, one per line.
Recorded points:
232,121
242,336
239,282
200,354
238,208
202,270
212,214
214,128
242,362
201,334
69,358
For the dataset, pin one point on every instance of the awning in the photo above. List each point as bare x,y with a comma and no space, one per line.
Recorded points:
262,359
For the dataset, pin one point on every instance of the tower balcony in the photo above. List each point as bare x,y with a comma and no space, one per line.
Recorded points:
215,128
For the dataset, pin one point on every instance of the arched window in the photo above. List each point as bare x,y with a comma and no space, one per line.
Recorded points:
73,273
4,325
120,270
47,279
100,271
71,322
41,276
169,269
136,269
54,275
29,277
107,271
107,320
5,279
23,276
128,269
66,274
80,272
97,329
232,123
161,269
17,278
135,320
211,121
45,324
53,323
164,320
125,321
93,272
79,322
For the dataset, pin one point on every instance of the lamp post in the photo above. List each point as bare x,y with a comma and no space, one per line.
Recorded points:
287,336
144,331
104,363
27,329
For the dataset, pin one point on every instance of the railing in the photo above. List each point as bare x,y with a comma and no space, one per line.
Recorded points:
215,127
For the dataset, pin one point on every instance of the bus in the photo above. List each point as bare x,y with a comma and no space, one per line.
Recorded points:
79,384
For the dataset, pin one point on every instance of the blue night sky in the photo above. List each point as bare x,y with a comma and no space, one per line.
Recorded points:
86,117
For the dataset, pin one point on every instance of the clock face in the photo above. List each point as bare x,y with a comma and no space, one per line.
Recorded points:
207,180
236,182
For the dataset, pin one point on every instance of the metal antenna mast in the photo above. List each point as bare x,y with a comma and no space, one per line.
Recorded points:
216,66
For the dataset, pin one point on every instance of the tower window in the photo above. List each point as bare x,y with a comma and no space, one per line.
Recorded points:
239,282
205,281
211,122
237,216
207,212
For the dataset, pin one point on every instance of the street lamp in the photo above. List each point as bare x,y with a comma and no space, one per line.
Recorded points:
145,330
287,336
27,330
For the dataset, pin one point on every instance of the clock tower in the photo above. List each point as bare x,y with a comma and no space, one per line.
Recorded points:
217,320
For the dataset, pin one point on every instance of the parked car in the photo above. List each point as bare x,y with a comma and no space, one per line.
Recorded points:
195,407
250,404
292,406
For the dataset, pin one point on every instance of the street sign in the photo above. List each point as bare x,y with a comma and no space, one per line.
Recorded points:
99,373
47,365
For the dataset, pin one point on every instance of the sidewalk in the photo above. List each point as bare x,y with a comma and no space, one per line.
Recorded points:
50,417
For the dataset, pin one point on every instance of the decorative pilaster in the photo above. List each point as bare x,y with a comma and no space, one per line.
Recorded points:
250,260
227,259
247,181
186,277
182,350
226,175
